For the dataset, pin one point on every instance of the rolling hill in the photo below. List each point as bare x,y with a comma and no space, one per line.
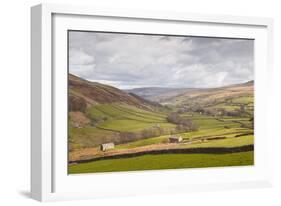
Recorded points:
182,96
212,95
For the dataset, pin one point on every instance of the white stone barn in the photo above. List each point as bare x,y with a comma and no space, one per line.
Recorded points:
107,146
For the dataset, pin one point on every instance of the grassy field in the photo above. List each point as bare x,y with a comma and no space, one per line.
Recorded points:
122,111
243,100
130,125
235,103
111,119
164,161
230,141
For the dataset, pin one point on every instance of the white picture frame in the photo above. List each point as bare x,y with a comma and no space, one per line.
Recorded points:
49,179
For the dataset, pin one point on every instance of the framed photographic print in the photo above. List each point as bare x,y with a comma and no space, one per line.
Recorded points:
127,103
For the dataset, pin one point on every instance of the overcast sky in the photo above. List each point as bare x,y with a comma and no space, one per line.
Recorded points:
130,61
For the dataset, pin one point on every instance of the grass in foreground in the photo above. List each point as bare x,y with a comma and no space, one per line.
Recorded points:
164,161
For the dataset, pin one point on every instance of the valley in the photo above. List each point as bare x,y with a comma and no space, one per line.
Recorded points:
159,128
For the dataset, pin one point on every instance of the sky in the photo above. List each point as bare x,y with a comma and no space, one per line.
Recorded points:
128,61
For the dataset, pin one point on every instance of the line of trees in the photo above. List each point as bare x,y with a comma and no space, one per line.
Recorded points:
143,134
183,124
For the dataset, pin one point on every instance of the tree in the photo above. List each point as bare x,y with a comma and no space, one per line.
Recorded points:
173,118
183,124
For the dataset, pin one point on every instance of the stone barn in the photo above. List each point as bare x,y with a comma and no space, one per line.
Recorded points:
107,146
175,139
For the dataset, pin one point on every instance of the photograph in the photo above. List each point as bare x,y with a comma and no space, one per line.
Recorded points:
139,102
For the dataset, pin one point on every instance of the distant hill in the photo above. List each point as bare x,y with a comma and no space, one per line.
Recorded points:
209,95
177,96
157,94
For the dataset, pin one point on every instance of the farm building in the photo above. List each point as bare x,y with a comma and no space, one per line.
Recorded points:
175,139
106,146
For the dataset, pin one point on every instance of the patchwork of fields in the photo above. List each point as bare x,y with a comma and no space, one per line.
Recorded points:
113,119
140,127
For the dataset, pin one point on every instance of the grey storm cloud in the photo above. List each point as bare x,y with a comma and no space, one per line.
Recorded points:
134,60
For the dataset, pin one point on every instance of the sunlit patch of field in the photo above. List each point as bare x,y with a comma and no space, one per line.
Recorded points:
128,125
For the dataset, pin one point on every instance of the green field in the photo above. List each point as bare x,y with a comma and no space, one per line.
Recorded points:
243,100
130,125
230,141
122,111
235,104
111,119
164,161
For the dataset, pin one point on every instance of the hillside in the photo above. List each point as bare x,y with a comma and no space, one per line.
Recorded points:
100,113
92,93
